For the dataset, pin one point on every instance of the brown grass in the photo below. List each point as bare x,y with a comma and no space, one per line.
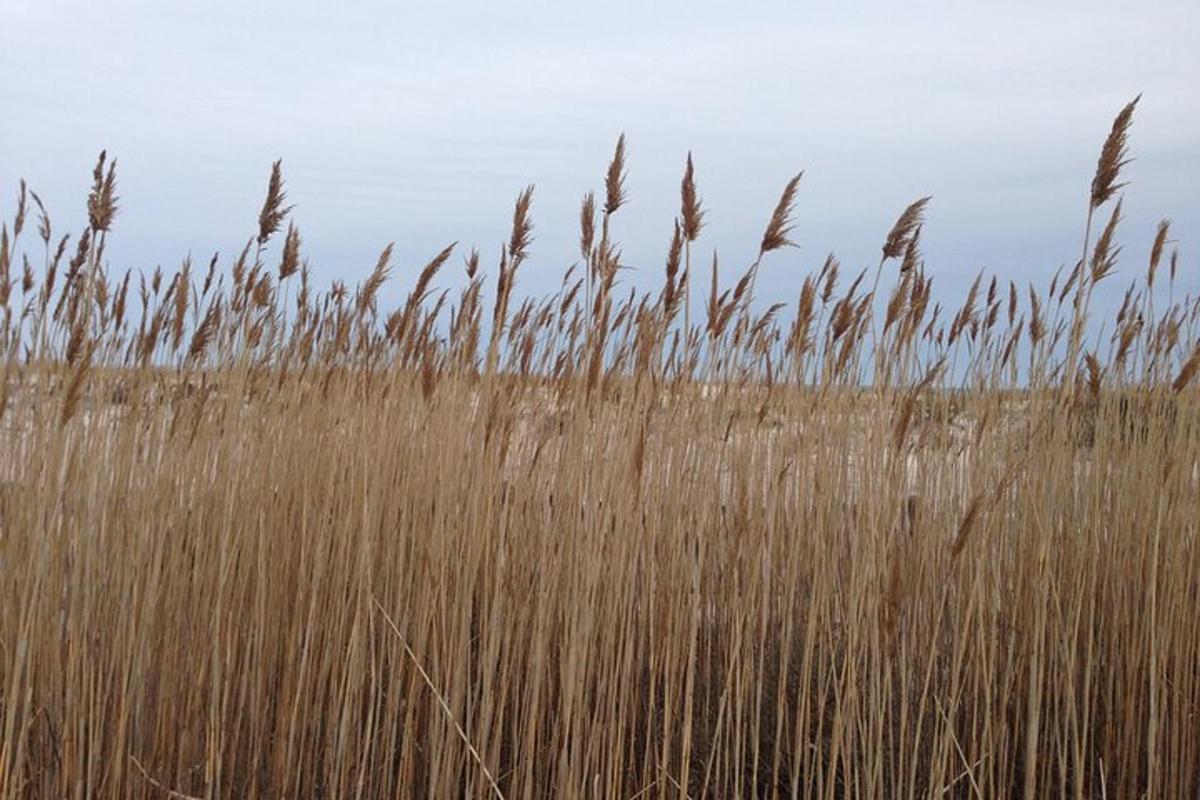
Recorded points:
262,540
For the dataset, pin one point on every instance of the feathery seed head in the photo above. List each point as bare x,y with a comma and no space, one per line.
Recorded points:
1113,157
781,224
289,264
690,212
273,212
906,225
614,179
102,200
587,225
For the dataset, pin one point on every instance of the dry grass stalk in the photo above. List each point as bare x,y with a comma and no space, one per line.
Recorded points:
441,700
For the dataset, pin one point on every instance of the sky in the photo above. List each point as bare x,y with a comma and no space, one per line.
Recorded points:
420,122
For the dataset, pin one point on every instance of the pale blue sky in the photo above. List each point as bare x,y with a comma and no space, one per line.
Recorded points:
418,124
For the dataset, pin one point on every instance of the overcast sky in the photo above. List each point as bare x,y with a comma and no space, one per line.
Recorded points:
419,124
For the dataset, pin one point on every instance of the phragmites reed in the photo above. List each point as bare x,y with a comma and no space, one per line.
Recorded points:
420,290
1095,374
905,229
19,218
522,227
1187,371
182,290
908,406
1104,257
691,213
289,262
1156,250
210,274
714,301
273,212
341,547
471,263
614,179
587,238
378,277
205,332
74,391
102,200
966,524
5,263
830,274
800,339
895,304
912,252
511,258
1074,276
780,227
901,241
1114,155
776,236
587,225
76,341
671,286
44,226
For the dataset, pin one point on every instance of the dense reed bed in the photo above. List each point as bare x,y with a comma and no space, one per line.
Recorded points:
261,540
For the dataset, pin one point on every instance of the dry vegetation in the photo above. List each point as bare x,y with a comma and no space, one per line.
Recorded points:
260,540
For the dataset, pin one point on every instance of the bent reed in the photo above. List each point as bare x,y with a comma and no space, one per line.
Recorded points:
262,540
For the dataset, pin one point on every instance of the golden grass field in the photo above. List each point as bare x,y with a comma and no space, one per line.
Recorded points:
262,540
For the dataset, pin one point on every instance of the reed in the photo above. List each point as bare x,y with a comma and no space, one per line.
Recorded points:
263,539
